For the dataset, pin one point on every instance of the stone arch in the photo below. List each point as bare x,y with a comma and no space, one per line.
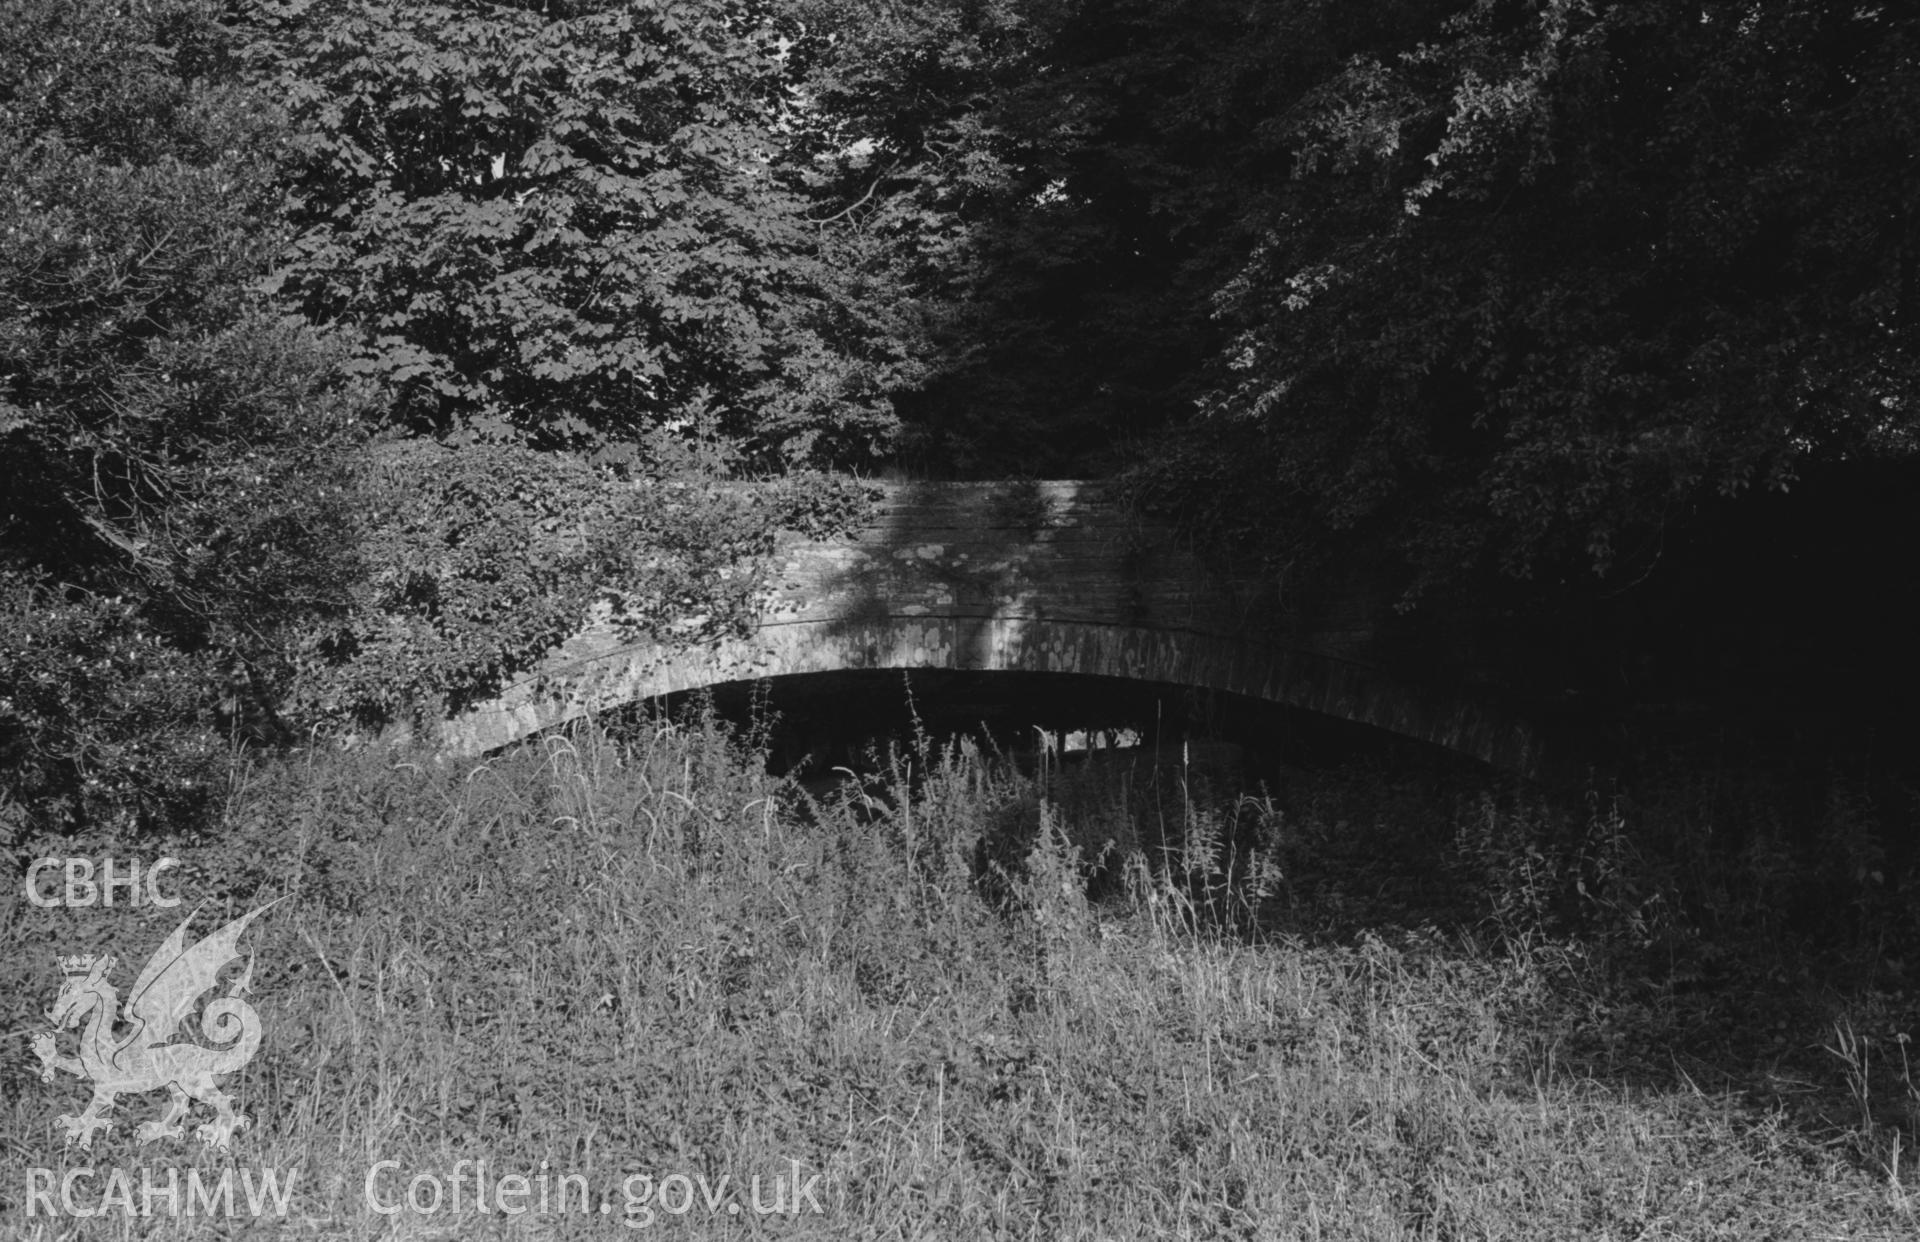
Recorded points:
596,676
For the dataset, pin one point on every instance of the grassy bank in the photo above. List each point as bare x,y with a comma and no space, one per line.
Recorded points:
608,962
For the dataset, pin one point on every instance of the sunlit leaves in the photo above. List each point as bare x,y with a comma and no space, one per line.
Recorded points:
479,561
565,230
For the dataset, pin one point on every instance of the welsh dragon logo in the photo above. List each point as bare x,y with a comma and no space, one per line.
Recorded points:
144,1058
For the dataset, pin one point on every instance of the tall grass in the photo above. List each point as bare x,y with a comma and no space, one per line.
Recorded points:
974,1002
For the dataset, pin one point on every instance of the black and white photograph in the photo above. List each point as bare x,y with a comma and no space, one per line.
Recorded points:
949,620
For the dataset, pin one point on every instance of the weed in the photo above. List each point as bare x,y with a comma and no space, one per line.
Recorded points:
619,957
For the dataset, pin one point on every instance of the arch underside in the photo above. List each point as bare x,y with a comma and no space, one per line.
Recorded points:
608,674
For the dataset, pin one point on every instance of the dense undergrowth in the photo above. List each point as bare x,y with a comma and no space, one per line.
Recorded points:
978,1001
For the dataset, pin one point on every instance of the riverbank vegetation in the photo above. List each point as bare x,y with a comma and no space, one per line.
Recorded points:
1588,327
352,350
616,957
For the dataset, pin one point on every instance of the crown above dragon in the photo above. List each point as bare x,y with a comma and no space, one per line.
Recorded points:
81,964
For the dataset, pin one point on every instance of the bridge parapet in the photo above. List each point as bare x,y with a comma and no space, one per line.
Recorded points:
1056,577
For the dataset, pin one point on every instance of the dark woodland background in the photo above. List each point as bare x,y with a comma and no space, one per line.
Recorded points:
1591,326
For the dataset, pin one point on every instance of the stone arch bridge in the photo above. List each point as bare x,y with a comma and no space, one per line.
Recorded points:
1054,577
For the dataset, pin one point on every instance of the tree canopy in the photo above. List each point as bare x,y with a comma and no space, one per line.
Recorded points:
1508,284
571,227
1490,291
175,498
1547,277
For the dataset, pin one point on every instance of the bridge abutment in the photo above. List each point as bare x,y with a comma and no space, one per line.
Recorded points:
1055,577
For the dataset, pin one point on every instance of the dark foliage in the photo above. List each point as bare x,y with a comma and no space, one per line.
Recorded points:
175,500
1550,277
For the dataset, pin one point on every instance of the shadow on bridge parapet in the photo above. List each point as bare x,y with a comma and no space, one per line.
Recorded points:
1056,577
